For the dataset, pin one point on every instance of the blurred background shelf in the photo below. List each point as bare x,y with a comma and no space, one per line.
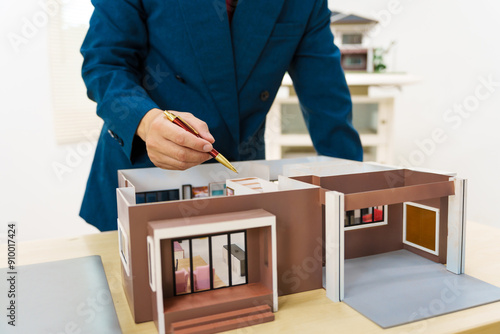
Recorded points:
373,97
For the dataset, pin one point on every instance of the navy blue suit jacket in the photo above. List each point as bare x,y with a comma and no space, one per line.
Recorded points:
183,55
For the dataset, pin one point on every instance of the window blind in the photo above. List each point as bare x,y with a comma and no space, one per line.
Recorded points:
74,115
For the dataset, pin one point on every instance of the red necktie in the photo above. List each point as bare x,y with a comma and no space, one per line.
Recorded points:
231,6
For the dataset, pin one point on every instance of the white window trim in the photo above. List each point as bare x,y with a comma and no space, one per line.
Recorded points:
405,204
123,248
151,263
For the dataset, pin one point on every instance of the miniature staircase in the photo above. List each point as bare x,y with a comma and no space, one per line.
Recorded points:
224,321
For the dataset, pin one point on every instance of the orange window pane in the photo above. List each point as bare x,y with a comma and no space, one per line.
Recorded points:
421,227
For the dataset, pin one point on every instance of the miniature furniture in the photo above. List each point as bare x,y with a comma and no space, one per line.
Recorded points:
178,251
198,262
376,216
201,278
249,185
181,281
238,259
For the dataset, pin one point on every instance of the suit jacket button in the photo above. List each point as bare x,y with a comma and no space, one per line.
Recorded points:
181,79
264,96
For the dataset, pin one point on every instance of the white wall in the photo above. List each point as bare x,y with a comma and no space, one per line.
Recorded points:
453,45
42,204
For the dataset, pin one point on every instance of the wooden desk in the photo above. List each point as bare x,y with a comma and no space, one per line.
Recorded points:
306,312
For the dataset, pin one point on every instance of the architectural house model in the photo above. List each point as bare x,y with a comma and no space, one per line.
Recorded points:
219,262
351,36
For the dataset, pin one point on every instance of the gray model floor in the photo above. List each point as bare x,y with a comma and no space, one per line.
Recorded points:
400,287
69,296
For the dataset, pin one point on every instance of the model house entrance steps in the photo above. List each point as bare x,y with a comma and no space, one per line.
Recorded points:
224,321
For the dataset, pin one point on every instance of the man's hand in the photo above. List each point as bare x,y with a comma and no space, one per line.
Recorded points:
171,147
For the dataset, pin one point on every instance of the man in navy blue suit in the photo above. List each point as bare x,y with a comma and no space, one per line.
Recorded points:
216,63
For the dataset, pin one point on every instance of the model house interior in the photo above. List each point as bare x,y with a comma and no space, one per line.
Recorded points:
280,227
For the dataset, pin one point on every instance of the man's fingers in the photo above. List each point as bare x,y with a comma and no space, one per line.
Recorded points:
171,147
183,138
198,125
164,148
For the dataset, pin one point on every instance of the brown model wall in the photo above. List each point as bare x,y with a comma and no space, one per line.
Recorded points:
167,266
253,255
311,179
266,257
298,228
386,238
356,183
259,256
413,177
398,195
378,239
363,182
304,178
373,240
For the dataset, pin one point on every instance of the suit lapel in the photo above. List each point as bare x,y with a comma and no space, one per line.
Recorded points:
208,30
252,25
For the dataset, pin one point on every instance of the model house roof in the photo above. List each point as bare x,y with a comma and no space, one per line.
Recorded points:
341,18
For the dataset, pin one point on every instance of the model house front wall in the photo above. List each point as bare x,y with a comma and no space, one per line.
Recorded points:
296,206
182,288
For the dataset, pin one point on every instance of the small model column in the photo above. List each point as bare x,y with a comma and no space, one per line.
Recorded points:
334,245
457,213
